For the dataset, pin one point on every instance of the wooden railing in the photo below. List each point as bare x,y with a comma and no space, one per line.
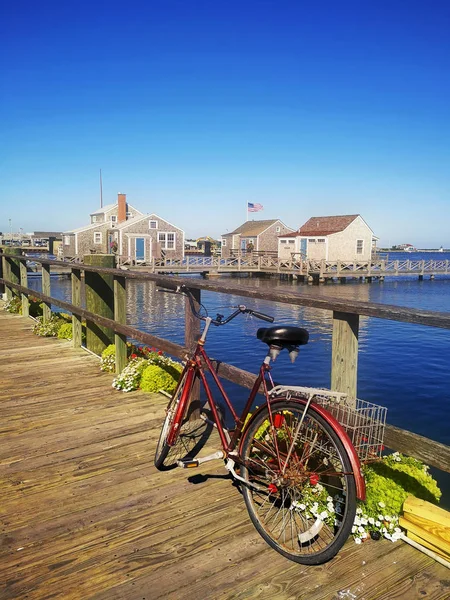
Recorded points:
346,314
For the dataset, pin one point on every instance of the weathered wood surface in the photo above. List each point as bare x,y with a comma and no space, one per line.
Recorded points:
85,515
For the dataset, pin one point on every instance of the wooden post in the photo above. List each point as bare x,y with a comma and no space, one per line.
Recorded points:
6,277
191,335
99,300
120,315
344,360
24,283
46,289
77,328
2,285
13,271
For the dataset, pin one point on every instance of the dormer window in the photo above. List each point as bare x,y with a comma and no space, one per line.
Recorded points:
153,224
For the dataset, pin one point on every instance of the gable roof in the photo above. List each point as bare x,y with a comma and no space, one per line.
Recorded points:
103,210
326,225
253,227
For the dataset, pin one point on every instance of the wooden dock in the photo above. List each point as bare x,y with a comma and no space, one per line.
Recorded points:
85,515
311,270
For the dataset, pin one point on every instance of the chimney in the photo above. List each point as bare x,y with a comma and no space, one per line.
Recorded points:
122,208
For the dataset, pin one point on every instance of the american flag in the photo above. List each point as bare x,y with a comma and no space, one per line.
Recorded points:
254,207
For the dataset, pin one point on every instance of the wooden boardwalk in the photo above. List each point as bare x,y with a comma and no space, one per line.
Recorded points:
85,515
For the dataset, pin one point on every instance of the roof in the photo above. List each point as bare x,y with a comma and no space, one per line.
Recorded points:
326,225
104,209
253,227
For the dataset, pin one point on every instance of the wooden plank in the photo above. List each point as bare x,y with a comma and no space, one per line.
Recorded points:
429,451
120,316
344,359
77,328
24,283
46,290
432,547
434,537
426,510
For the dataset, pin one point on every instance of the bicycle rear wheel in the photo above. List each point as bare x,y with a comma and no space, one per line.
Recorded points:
188,432
303,506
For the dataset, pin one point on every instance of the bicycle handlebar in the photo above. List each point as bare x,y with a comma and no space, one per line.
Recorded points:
219,320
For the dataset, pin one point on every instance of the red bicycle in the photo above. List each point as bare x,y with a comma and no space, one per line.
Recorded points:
298,471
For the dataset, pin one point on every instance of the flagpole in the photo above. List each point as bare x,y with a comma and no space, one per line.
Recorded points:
246,218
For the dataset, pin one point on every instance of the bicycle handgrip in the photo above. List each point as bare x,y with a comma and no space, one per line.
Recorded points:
262,316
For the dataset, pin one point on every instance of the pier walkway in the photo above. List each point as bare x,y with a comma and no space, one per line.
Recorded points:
85,515
312,269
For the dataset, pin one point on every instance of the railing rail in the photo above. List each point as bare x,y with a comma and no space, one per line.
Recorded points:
346,314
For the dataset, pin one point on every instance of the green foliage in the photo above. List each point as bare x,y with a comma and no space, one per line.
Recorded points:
156,378
108,359
65,331
48,329
130,377
394,478
14,305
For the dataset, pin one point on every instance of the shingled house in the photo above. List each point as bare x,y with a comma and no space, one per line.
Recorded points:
127,231
259,236
345,237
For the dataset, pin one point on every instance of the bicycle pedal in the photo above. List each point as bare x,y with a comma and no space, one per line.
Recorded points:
187,463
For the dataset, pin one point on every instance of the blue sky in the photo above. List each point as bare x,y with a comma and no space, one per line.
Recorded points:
193,108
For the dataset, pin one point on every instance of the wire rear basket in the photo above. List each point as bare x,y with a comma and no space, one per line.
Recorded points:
363,421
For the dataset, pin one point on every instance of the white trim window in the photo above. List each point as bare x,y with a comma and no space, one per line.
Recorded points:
224,242
321,240
152,224
66,240
167,239
278,229
113,219
97,237
359,246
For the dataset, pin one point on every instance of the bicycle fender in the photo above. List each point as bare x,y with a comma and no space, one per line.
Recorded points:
339,430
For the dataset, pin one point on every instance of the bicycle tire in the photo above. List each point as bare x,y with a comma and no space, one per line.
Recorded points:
281,509
162,447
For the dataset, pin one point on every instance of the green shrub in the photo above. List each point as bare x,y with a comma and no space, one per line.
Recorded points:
48,329
65,331
14,305
108,361
155,378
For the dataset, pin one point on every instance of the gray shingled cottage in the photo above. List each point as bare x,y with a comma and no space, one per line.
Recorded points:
258,236
121,228
340,237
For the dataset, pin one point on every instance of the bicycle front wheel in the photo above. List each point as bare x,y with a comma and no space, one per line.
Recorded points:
303,497
188,435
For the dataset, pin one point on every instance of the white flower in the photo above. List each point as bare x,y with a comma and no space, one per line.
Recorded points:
359,511
330,506
371,520
323,515
377,524
380,517
381,504
357,540
354,528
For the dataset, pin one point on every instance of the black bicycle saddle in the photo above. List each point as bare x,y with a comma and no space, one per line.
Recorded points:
283,336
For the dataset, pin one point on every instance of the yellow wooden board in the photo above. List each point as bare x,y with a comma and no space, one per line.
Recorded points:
426,510
415,538
435,536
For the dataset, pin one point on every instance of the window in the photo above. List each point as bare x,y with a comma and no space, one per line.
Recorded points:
359,246
113,219
66,240
153,224
94,219
278,229
312,240
291,241
224,241
321,240
129,215
167,240
97,237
